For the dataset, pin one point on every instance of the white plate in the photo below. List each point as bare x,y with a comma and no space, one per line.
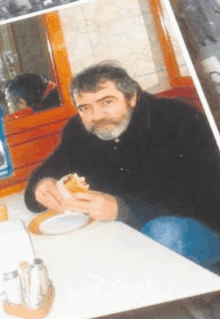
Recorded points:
63,223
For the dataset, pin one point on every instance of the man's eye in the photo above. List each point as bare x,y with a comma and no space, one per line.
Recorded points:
107,102
83,109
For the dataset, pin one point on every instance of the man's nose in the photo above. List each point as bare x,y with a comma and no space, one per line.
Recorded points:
97,114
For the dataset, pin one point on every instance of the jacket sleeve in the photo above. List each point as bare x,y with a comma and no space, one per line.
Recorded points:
56,166
135,211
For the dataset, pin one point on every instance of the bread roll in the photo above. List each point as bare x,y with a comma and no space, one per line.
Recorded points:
74,183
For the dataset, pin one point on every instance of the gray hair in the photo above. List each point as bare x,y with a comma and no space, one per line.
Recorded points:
91,78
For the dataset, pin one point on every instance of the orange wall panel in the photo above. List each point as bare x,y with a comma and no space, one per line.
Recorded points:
35,133
33,152
19,175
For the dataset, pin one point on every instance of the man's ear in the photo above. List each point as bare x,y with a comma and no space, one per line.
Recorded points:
133,100
22,104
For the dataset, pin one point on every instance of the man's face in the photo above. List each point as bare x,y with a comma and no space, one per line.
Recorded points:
106,112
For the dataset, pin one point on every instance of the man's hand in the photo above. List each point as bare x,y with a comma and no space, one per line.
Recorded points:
47,194
98,205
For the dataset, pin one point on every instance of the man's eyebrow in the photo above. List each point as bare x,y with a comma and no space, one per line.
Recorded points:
106,97
99,100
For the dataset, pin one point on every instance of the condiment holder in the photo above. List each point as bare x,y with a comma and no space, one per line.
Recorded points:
29,293
23,311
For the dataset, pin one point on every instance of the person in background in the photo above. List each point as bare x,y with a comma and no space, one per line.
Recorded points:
150,162
29,93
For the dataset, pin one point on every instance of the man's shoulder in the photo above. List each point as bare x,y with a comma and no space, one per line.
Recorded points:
73,123
172,108
170,104
170,114
73,128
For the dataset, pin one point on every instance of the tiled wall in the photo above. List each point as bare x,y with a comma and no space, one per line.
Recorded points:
121,30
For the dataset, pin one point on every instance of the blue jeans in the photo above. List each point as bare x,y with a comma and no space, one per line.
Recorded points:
186,236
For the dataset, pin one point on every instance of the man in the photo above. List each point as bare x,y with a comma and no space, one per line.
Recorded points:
144,158
28,93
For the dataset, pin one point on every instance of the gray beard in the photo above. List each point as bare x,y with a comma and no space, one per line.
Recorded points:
112,133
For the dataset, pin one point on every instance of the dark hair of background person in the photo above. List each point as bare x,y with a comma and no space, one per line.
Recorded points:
91,78
31,88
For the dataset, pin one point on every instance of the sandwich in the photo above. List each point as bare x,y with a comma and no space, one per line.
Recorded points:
74,183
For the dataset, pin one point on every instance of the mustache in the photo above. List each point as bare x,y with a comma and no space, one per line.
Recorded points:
96,124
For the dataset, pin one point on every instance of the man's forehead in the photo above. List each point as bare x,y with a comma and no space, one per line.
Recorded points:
100,90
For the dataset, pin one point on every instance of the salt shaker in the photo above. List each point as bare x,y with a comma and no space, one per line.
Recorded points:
43,273
36,298
13,289
39,284
25,280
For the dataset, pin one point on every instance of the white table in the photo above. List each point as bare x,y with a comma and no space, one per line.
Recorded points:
109,267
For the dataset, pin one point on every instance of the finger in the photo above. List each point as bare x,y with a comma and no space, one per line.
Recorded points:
50,187
40,198
78,205
48,200
48,194
56,194
86,196
53,201
50,204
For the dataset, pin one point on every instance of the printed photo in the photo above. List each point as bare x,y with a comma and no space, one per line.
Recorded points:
115,167
200,27
13,10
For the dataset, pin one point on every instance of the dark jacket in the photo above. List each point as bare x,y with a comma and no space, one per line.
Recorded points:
167,162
